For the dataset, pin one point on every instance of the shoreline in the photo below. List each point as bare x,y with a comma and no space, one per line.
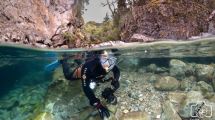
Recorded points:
110,45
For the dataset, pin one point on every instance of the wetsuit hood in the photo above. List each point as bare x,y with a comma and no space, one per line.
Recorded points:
107,61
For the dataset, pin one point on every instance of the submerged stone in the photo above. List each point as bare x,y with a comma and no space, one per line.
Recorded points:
192,98
176,97
188,83
204,87
213,81
177,69
135,116
169,113
44,116
190,69
155,69
167,84
204,72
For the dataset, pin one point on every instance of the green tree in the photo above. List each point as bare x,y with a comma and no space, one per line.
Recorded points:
106,18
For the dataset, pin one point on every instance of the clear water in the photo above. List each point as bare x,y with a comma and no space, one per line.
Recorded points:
26,89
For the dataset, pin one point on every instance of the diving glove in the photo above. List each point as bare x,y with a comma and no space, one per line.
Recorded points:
103,111
109,96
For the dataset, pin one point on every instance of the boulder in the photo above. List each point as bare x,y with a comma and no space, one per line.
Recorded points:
141,38
188,83
167,83
204,72
176,97
64,99
169,113
190,69
177,69
155,69
204,87
194,101
186,104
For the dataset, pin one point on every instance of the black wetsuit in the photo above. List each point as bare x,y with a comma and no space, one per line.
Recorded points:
91,71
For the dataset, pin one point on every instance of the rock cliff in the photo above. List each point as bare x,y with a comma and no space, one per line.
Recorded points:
170,19
38,23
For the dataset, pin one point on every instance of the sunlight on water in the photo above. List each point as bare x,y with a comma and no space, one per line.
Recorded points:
156,80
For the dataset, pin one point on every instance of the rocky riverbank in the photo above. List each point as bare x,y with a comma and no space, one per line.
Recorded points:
58,23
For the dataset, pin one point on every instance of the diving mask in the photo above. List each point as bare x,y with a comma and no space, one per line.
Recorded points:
108,62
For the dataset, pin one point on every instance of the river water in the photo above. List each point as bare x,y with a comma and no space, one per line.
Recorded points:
156,80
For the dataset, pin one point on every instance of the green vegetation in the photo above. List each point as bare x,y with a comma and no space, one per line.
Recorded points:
69,37
102,32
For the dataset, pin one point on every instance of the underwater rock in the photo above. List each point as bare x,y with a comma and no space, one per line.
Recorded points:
204,72
167,83
188,83
211,97
66,106
135,116
169,113
58,74
190,69
7,63
151,68
65,99
8,105
176,97
177,69
155,69
154,78
22,101
213,81
193,102
203,86
133,95
129,64
44,116
192,98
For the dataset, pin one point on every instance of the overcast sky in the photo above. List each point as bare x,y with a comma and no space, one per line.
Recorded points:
95,11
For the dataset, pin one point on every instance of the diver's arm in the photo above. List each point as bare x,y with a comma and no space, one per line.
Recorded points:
87,78
89,92
103,111
115,81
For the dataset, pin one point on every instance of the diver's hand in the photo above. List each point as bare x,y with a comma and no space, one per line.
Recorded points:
103,111
109,96
107,92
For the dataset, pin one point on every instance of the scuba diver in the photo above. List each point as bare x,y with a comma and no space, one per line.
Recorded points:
92,72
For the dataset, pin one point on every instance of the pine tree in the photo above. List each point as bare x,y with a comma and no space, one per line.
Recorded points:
106,18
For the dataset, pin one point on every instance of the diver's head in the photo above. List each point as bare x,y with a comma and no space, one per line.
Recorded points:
108,61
